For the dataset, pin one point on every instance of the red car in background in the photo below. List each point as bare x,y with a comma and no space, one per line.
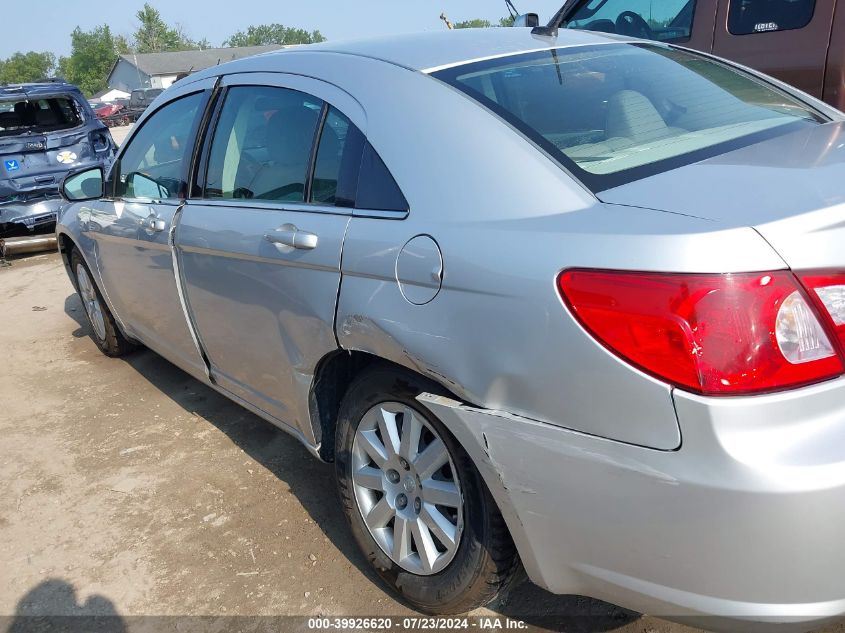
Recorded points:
111,113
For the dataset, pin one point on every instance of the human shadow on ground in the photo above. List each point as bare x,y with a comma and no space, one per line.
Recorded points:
52,606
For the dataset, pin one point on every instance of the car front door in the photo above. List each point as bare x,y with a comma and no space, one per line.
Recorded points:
260,249
132,228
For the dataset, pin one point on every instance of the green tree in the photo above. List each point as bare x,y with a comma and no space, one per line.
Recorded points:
26,67
507,22
478,23
92,55
154,35
122,45
473,24
264,34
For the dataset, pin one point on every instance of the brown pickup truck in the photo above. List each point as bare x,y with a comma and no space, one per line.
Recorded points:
801,42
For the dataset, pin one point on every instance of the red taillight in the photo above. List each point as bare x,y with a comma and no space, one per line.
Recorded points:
716,334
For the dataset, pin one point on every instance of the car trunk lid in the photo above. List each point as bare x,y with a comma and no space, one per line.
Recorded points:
31,162
791,189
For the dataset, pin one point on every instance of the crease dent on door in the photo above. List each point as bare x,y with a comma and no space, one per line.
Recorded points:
183,300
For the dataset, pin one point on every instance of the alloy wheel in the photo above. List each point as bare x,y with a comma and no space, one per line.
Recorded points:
407,488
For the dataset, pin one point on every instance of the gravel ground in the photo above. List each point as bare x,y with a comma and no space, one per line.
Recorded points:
119,133
128,487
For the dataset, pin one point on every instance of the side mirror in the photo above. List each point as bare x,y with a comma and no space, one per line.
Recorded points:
527,19
87,184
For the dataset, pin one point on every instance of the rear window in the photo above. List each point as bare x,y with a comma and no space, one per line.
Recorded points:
615,113
38,115
761,16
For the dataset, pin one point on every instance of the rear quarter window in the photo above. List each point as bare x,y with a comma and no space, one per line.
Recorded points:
377,190
764,16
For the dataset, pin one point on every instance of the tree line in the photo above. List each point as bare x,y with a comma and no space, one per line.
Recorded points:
93,52
483,24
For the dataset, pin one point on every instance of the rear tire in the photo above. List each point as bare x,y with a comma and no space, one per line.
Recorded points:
104,329
482,561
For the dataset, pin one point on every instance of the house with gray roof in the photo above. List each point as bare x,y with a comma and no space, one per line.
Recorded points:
158,70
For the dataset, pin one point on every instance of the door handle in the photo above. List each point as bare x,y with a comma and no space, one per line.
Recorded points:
288,236
154,224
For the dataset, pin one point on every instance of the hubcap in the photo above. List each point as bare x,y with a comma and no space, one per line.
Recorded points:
406,488
90,301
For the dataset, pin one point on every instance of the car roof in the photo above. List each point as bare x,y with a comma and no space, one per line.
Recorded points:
433,50
37,89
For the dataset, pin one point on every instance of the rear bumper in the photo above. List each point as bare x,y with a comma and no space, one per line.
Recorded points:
27,218
743,522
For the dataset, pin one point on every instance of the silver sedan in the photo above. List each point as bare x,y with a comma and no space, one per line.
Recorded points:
561,301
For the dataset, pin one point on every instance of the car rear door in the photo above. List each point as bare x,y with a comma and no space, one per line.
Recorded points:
132,228
260,246
787,39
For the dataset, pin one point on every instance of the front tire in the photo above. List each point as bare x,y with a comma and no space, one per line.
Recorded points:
417,506
104,329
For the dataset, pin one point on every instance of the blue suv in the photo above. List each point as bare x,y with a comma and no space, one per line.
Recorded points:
46,130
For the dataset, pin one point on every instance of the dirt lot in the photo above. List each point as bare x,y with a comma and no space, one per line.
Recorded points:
130,488
119,133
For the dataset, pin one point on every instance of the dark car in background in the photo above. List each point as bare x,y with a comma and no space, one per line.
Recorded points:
46,130
800,42
139,101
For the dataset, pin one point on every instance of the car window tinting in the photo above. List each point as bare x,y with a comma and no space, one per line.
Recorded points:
377,190
327,167
619,112
262,145
762,16
665,21
153,164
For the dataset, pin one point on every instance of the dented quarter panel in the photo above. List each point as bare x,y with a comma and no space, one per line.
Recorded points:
684,532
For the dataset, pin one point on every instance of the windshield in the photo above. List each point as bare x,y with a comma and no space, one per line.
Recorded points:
615,113
48,114
667,20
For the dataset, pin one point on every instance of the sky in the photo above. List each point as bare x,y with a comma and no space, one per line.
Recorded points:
50,28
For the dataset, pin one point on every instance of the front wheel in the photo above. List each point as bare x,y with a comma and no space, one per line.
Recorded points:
105,332
416,505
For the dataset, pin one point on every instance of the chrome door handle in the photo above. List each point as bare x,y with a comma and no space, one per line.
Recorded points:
289,236
154,224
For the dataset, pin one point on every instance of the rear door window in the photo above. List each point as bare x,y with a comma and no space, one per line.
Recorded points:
665,21
262,145
763,16
332,174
